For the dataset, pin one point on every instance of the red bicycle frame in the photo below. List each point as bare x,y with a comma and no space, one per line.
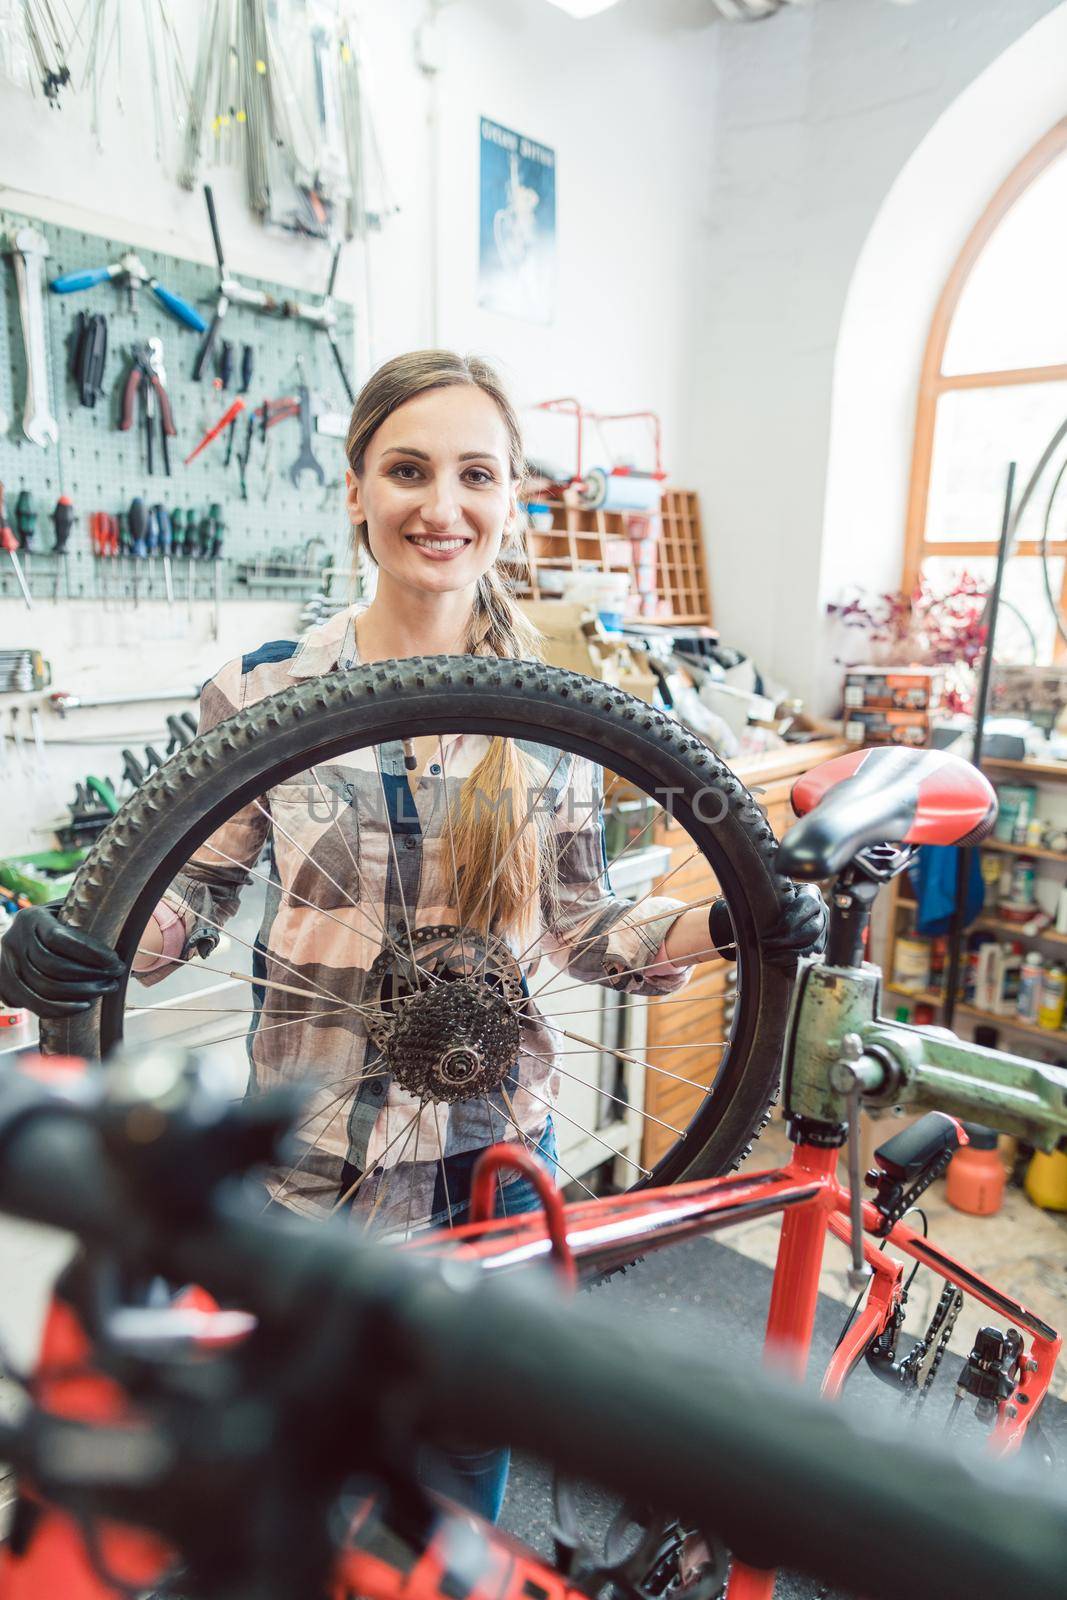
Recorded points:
585,1238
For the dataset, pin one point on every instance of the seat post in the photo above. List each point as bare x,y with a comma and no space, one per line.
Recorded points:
851,899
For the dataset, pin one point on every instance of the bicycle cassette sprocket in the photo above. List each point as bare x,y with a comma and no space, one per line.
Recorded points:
447,1021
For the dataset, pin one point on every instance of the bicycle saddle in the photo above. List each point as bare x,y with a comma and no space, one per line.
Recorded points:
883,796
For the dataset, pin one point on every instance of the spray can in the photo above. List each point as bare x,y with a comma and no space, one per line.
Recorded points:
1030,974
1061,911
1053,996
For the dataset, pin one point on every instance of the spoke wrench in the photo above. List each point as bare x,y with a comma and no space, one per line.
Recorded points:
306,461
29,249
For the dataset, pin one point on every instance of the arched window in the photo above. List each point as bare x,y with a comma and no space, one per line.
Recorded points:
993,389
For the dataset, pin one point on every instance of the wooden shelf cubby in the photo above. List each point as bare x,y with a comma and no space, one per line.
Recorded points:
599,541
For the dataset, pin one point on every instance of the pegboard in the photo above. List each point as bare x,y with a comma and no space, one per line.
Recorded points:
102,468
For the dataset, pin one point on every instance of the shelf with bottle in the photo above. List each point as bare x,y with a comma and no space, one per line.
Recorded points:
1053,1037
1003,847
1000,980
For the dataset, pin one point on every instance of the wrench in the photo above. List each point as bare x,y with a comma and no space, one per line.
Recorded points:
29,249
306,461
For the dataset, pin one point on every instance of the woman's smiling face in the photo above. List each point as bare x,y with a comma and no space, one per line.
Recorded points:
436,490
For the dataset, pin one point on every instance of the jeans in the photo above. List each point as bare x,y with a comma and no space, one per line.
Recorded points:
478,1479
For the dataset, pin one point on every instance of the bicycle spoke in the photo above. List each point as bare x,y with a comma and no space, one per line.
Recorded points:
588,1132
441,1158
573,1076
627,972
331,1105
396,859
634,1005
492,1140
536,890
529,1142
455,868
624,1055
595,1087
291,894
380,1196
323,993
266,1027
355,904
244,977
414,1165
368,899
208,1011
350,1191
492,886
625,924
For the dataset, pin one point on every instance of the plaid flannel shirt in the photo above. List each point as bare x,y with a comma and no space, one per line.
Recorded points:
342,866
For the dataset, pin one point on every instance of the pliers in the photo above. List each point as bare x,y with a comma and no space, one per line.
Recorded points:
146,375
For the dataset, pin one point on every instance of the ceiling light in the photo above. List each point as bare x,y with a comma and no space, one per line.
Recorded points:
582,8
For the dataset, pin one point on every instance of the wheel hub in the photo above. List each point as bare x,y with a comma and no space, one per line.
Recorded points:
447,1023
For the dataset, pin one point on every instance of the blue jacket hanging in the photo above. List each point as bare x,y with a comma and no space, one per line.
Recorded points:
934,877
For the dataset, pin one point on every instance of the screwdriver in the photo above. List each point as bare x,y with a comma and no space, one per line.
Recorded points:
62,523
138,519
9,543
164,539
218,529
25,518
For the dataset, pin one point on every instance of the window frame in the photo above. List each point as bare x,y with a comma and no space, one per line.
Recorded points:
934,382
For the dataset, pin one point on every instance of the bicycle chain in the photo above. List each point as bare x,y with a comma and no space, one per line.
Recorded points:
943,1321
907,1199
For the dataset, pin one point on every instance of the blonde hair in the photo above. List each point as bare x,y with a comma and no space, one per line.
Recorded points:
497,627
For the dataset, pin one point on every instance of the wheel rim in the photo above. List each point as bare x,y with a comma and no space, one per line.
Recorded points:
443,1076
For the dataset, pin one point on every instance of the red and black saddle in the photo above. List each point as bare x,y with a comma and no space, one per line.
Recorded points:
883,796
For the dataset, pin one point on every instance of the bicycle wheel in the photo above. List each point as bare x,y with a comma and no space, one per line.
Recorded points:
319,730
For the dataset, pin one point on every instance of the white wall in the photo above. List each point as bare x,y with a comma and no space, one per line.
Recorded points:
620,99
812,118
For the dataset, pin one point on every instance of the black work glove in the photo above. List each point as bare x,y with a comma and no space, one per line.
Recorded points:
799,931
53,970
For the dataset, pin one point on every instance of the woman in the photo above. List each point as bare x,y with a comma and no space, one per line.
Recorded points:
370,849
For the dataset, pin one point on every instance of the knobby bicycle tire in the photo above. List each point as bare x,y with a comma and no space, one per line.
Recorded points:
182,803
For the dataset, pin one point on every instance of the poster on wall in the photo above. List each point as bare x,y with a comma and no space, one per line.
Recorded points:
517,246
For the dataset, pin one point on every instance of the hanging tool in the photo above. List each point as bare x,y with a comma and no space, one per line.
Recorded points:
62,523
306,461
231,290
265,416
146,378
26,519
104,538
125,547
247,365
88,353
328,321
28,250
177,520
9,543
213,432
138,533
225,367
161,539
217,531
130,273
